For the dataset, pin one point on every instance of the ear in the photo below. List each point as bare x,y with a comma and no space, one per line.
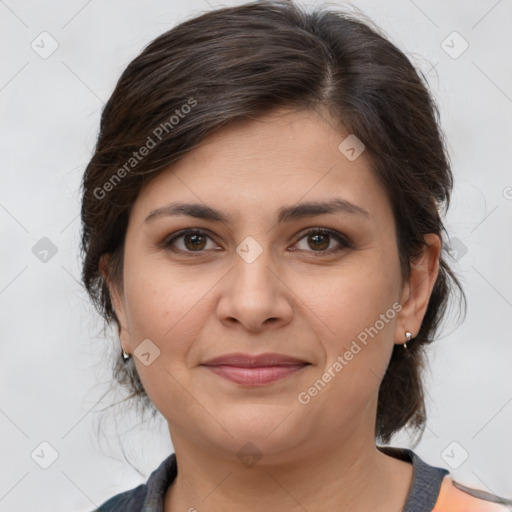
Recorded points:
416,292
117,300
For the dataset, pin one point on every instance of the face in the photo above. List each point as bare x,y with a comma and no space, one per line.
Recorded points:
264,271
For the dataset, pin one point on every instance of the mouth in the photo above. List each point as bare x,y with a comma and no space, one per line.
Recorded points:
255,370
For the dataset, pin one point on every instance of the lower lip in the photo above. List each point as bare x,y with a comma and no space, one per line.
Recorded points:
255,376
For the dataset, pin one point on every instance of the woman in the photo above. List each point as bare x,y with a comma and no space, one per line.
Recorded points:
261,220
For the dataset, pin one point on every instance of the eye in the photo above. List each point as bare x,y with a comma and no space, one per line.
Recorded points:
322,241
190,240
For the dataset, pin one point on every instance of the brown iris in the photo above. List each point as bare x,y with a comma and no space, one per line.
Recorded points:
194,241
320,241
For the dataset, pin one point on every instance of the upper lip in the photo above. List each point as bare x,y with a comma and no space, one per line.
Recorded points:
251,361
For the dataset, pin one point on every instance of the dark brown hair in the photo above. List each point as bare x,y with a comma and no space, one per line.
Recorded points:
241,62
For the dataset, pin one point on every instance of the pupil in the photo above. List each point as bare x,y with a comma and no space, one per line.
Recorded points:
197,241
321,241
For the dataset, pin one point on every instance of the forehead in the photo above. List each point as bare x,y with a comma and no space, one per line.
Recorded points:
259,165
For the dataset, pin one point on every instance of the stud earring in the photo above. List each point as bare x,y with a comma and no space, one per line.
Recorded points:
125,356
408,336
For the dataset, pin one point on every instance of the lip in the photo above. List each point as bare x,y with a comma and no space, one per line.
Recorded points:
254,361
256,376
255,370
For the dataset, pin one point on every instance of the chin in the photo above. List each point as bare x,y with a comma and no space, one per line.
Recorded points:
263,426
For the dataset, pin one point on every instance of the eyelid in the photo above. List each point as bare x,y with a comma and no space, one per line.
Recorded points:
342,239
187,231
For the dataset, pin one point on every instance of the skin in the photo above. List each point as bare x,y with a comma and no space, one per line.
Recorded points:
293,299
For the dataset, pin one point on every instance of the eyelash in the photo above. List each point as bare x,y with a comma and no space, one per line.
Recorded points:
338,237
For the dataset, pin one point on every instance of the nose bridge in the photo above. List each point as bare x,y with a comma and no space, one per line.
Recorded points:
252,280
253,295
251,276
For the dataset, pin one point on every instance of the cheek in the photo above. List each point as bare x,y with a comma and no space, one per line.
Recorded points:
165,306
351,301
357,329
169,308
358,346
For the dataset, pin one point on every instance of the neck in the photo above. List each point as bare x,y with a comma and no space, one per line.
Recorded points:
352,476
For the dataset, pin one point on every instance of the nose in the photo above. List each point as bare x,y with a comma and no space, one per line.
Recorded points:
255,297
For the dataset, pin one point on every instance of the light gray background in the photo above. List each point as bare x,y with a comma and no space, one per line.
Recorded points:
54,362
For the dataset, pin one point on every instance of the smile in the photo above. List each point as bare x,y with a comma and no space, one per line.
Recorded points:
255,376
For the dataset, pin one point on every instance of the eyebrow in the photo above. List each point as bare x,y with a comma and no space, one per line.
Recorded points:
285,214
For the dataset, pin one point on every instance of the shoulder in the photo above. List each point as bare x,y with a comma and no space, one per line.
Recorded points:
149,496
433,489
127,501
456,497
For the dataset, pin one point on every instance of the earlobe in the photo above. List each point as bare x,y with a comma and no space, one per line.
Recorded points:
417,291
